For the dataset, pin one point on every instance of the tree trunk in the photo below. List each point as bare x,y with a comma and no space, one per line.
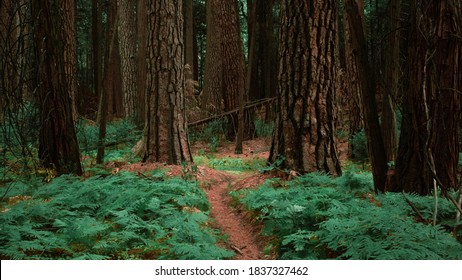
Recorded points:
368,88
165,132
70,55
58,147
307,87
107,81
212,101
392,70
428,149
127,49
141,67
189,35
351,75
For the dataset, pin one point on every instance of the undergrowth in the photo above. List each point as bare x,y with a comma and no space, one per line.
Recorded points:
231,164
319,217
119,216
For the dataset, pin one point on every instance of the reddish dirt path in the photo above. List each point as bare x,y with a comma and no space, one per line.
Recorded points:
243,235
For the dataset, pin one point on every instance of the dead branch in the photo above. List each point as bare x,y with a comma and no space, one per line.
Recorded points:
246,107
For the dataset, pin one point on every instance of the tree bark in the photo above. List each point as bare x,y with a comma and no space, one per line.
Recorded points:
212,101
127,49
307,87
428,149
351,75
141,63
392,71
166,132
58,147
368,88
70,55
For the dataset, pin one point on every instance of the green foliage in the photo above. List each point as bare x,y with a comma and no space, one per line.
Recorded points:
110,217
231,164
121,136
213,133
319,217
358,143
263,129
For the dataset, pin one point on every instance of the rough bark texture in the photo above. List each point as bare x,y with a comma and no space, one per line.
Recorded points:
58,147
392,71
141,62
70,53
307,87
189,35
351,78
368,88
127,48
165,132
263,50
212,101
429,139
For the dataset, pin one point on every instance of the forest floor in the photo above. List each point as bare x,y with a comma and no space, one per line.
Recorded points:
241,231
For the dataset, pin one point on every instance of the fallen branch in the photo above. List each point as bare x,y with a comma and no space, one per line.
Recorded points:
414,208
246,107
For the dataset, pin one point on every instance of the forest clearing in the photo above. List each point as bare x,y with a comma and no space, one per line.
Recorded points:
231,130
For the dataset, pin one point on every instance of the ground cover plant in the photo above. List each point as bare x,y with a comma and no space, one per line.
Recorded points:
319,217
120,216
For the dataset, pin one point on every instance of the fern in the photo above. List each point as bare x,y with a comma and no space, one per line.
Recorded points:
319,217
112,217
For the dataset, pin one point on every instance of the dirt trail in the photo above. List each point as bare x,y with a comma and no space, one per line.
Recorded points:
242,236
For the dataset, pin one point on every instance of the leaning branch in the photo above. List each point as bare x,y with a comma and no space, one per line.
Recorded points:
246,107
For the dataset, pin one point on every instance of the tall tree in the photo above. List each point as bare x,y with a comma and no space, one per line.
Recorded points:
392,71
141,62
224,74
351,74
189,35
428,148
165,131
307,87
70,55
58,147
212,102
368,88
262,66
127,48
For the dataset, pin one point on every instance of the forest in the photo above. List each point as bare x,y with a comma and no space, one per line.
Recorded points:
230,129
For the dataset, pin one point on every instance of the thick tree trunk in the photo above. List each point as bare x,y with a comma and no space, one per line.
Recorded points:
58,147
368,88
389,129
212,101
70,55
127,49
233,69
428,150
307,86
165,132
354,110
